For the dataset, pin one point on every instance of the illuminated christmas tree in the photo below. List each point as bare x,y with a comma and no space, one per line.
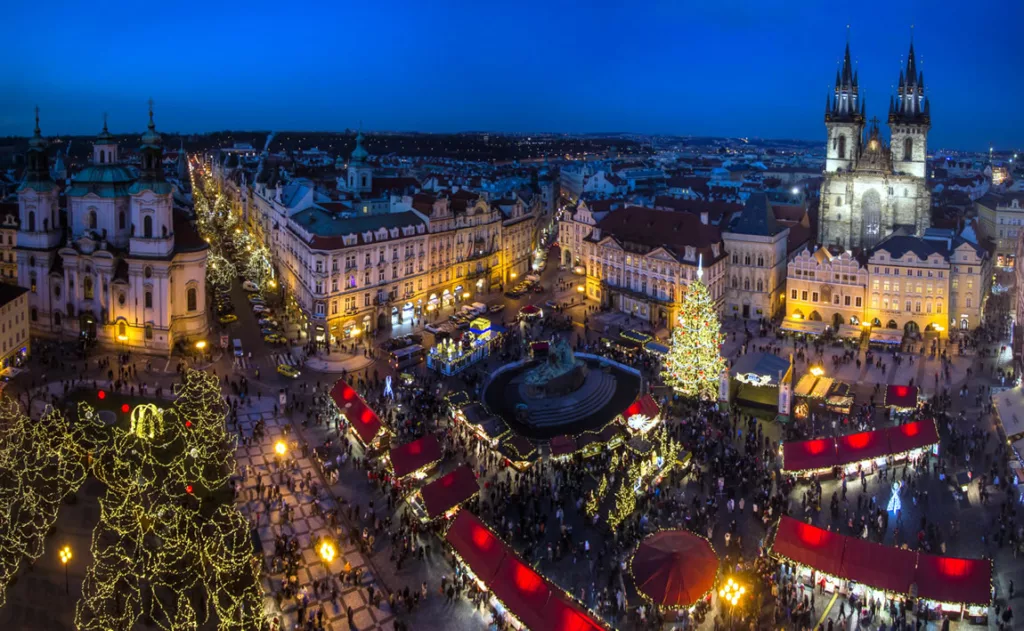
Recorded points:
694,362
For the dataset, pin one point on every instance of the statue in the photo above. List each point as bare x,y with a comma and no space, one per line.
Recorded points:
559,374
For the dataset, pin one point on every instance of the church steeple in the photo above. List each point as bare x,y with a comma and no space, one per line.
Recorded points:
846,105
152,151
104,148
38,165
909,105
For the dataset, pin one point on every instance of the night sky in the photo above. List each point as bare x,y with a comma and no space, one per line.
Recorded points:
722,67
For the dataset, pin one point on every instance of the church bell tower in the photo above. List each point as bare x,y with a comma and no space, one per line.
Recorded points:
909,121
844,119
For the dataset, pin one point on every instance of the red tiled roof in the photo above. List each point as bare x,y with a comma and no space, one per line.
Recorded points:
660,228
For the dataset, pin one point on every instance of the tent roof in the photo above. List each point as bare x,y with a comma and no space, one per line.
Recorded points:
953,580
522,590
882,567
411,457
364,420
806,455
674,568
912,436
561,445
861,446
562,614
476,544
901,396
449,491
644,405
809,545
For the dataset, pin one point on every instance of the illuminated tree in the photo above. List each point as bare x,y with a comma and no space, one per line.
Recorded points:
694,362
625,503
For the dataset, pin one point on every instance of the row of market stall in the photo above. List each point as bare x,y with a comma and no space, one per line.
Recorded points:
885,336
867,570
532,601
823,455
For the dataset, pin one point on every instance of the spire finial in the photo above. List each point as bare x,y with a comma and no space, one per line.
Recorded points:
37,121
700,266
151,124
104,122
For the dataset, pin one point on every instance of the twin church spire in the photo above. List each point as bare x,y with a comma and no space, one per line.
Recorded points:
846,103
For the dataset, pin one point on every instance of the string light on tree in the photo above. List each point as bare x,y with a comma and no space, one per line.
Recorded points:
694,362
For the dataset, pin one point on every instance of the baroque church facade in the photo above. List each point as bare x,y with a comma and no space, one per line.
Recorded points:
871,188
123,268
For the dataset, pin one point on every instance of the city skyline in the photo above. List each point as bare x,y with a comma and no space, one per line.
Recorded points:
730,70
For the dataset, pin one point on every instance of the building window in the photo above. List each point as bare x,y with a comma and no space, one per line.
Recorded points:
794,294
121,223
149,300
32,281
149,331
803,295
34,314
814,296
31,221
122,329
191,299
846,301
147,227
908,150
92,219
87,288
147,272
857,301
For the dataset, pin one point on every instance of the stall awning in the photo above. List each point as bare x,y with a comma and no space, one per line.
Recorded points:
805,386
449,491
849,331
562,614
809,545
881,567
457,399
562,445
656,347
364,421
522,590
635,336
901,396
886,336
862,446
480,548
808,455
411,457
521,446
910,436
954,580
644,405
1009,405
821,388
810,327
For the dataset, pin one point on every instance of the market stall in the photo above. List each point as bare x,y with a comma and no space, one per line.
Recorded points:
805,327
953,586
450,357
808,545
530,312
809,455
886,337
484,425
901,398
562,446
415,458
642,415
520,451
445,494
851,451
849,332
755,379
635,336
361,419
1009,412
655,347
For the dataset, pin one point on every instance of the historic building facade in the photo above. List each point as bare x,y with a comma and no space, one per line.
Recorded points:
127,269
871,188
756,244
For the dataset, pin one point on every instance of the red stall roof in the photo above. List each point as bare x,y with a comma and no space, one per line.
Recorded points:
476,544
644,405
861,446
363,419
524,591
411,457
953,580
806,455
912,436
901,396
449,491
561,445
562,614
809,545
881,567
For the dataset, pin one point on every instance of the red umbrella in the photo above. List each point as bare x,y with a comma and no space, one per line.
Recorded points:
674,568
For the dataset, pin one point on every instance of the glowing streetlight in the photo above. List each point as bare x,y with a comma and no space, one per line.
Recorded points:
280,447
122,338
580,288
513,275
465,295
817,371
327,551
731,592
65,556
200,345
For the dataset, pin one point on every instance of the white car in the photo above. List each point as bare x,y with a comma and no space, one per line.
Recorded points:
433,328
250,286
259,308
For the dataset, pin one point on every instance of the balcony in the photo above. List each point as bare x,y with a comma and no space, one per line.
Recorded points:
477,273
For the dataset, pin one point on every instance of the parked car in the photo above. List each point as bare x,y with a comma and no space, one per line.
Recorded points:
496,308
288,371
256,299
275,338
538,288
268,322
433,328
227,318
551,303
258,308
250,286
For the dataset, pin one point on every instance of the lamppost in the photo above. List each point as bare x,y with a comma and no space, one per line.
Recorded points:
280,448
730,593
200,347
327,551
65,556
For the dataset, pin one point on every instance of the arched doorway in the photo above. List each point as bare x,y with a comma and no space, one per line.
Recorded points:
871,218
567,257
798,315
382,321
892,325
854,320
837,320
876,322
814,317
963,324
911,328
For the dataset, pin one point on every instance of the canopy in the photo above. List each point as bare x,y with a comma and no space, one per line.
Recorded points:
805,386
908,436
522,590
810,327
656,347
674,568
953,580
411,457
562,614
449,491
849,331
1009,405
882,567
478,547
364,421
522,446
886,336
901,396
636,336
644,405
530,310
807,455
562,445
861,446
809,545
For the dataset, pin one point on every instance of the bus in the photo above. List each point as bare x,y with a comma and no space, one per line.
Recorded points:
408,356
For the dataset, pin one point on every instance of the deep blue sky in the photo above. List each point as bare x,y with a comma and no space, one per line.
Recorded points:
717,67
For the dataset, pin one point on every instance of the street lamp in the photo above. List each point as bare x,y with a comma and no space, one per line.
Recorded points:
817,371
731,593
200,345
280,448
327,551
580,288
65,556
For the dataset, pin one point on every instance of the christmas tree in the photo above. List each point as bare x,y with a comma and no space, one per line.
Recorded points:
694,363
